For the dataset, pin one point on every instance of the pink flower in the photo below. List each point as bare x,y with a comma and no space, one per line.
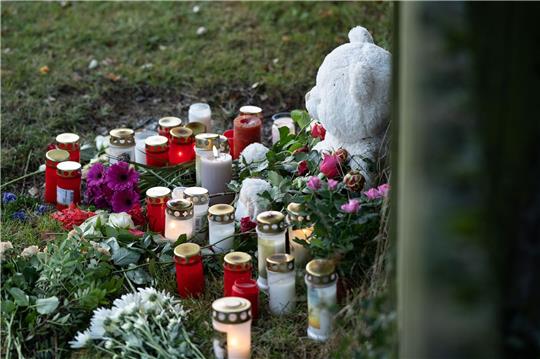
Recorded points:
372,194
136,232
123,201
246,224
330,166
121,177
302,168
332,184
351,207
314,183
383,189
318,131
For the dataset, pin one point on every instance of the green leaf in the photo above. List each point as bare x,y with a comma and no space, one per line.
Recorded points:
138,276
8,307
274,178
110,231
20,297
302,118
124,256
47,305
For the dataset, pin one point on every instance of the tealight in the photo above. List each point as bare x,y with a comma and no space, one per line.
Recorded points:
231,319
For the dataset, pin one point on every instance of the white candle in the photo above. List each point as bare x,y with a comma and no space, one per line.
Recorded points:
122,145
216,171
231,319
284,121
270,240
221,227
281,283
199,197
299,251
178,219
201,112
140,150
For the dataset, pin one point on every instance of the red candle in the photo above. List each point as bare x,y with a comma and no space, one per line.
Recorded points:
53,158
189,270
68,186
156,203
157,151
181,149
248,289
69,142
237,265
229,134
166,124
247,130
252,111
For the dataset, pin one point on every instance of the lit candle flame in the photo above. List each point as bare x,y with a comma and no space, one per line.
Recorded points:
216,152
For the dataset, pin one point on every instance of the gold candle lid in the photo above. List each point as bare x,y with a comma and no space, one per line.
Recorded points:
68,169
231,310
251,110
57,155
206,141
294,213
180,208
123,137
321,271
158,195
169,122
67,137
156,143
187,250
182,135
222,213
237,261
271,222
196,127
197,195
280,262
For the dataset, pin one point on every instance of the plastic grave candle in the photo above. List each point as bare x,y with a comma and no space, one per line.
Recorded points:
122,145
229,134
178,219
53,158
321,281
282,119
204,142
69,142
156,203
221,227
189,270
140,146
270,240
201,112
181,147
216,171
281,283
199,197
197,128
251,110
157,151
178,192
236,265
166,124
248,289
231,319
68,185
247,130
300,230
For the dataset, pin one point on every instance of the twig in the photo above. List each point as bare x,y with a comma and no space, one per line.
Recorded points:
26,166
20,178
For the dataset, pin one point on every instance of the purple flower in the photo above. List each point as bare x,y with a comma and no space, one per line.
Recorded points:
19,215
123,201
372,194
332,184
96,174
8,197
41,209
383,189
121,177
314,183
351,207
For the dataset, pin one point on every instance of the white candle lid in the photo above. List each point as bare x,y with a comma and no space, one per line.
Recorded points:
67,138
250,109
231,310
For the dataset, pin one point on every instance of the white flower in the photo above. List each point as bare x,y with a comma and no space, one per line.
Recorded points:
108,344
196,9
133,341
201,30
30,251
121,220
41,168
253,153
249,202
90,224
81,340
97,324
4,247
102,142
125,300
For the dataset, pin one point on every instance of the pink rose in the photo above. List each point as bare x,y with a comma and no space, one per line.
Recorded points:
318,131
246,224
351,207
136,232
372,194
314,183
383,189
332,184
330,166
302,168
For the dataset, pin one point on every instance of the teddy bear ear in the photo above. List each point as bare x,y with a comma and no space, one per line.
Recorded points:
362,81
359,35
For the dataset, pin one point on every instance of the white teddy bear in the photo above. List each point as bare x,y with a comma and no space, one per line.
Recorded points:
351,98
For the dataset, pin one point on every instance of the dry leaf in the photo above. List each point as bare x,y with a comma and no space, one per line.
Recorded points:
285,38
44,70
112,76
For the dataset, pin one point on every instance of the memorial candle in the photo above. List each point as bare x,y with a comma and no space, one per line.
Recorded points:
157,151
166,124
156,204
68,185
53,158
69,142
247,288
122,145
204,142
231,319
196,127
281,283
251,110
221,227
181,146
216,171
178,219
300,231
270,240
140,146
247,130
236,265
189,270
201,112
199,197
282,119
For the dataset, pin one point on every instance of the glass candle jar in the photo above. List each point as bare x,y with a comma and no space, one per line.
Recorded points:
251,110
321,279
282,119
201,112
68,185
166,124
156,203
181,148
216,174
221,227
122,145
196,127
157,151
140,145
199,197
281,283
247,130
300,231
236,265
231,319
189,270
229,134
248,289
178,219
53,158
270,240
69,142
204,143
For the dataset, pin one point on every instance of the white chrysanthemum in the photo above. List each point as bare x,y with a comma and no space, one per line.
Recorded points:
102,142
133,341
97,323
81,340
255,152
126,299
30,251
249,202
4,247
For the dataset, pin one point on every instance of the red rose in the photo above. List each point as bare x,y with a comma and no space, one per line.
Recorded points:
318,131
137,215
302,168
303,149
354,181
246,224
330,166
136,232
341,154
